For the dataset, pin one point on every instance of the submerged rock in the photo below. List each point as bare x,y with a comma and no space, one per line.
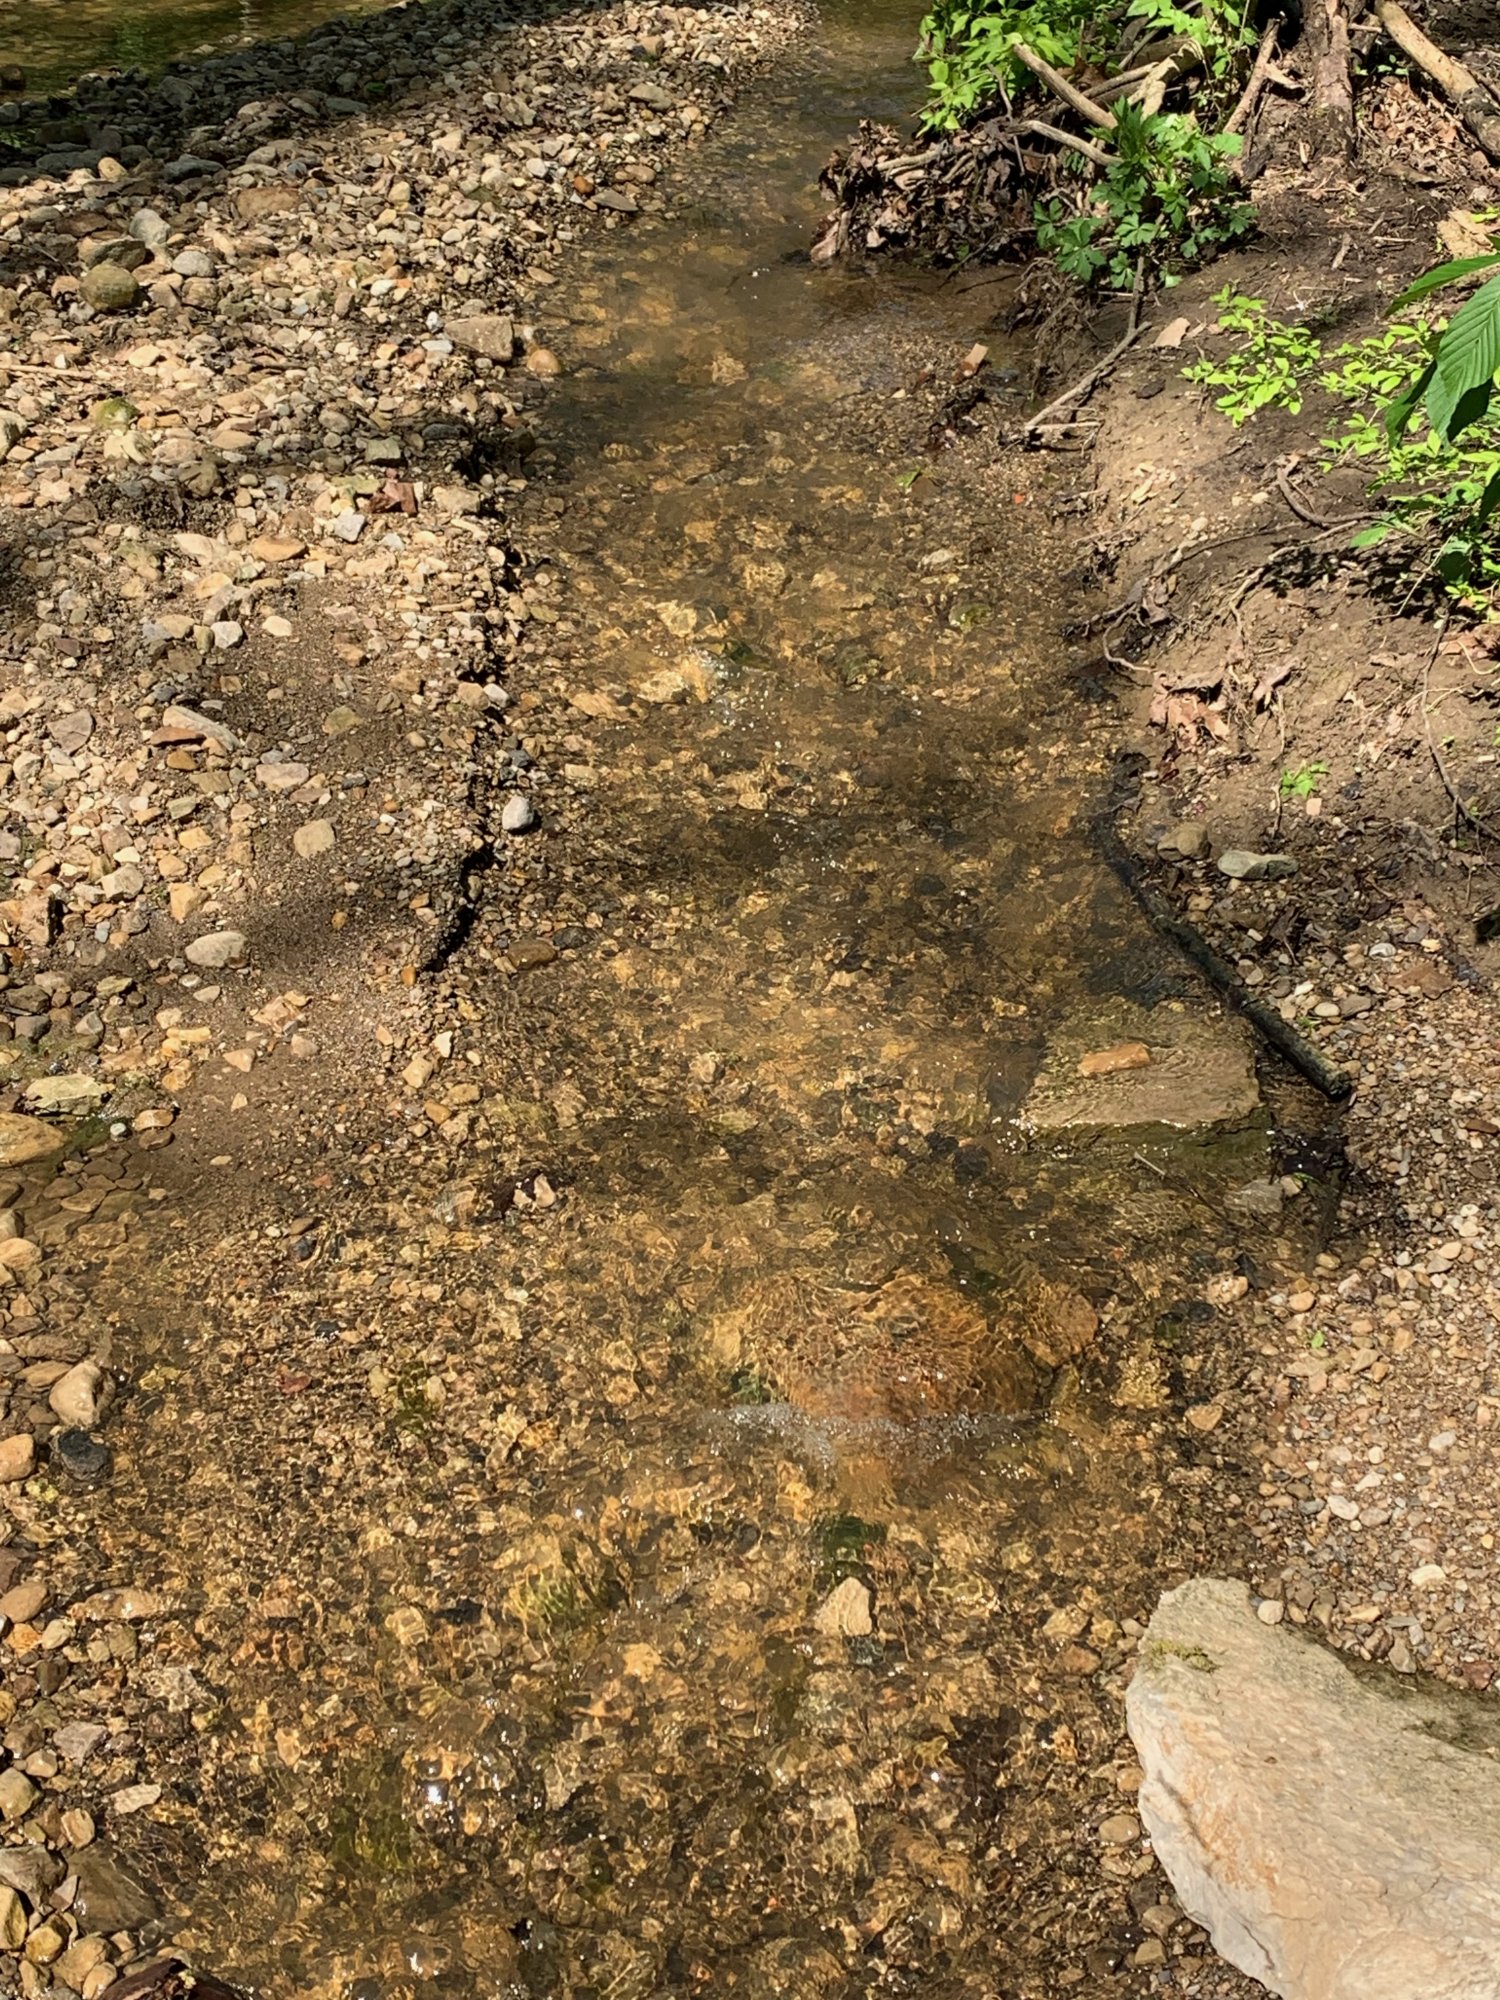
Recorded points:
1339,1836
1120,1065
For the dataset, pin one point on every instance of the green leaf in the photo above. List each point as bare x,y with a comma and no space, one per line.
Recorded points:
1398,417
1489,500
1368,537
1468,350
1444,274
1451,413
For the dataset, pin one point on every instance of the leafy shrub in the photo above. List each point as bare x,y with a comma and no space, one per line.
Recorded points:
967,49
967,45
1432,461
1166,197
1267,370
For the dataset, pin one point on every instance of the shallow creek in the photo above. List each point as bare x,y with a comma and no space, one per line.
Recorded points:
711,1576
54,41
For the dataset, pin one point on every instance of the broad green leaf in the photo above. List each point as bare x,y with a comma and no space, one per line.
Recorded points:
1452,408
1368,537
1398,417
1468,351
1444,274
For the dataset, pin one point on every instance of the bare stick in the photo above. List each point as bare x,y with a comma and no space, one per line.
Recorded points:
1265,55
1299,507
1460,86
1081,388
1150,93
1060,86
1060,138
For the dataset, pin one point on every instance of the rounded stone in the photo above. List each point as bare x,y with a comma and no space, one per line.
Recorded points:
79,1456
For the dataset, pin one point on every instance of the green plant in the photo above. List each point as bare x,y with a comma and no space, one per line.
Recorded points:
1220,29
1269,368
1165,196
1303,782
967,48
1437,485
1458,379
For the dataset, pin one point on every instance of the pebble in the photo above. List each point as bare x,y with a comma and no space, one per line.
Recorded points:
17,1458
217,949
846,1611
517,814
1242,865
109,288
78,1397
314,837
17,1795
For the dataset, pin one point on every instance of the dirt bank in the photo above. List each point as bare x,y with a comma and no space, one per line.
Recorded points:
1257,646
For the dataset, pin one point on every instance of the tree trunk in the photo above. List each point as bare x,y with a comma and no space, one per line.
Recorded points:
1326,27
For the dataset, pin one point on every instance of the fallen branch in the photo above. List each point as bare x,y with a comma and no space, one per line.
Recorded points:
1265,56
1459,85
1151,93
1299,507
1044,418
1288,1041
1059,137
1059,85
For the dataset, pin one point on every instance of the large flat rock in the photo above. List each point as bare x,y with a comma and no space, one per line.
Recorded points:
1338,1835
1200,1070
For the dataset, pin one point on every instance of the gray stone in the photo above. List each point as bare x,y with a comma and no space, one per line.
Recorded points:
193,264
492,335
349,525
1257,1198
216,950
189,167
517,814
1187,841
125,251
77,1741
109,288
148,227
1338,1836
1240,865
30,1871
178,716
